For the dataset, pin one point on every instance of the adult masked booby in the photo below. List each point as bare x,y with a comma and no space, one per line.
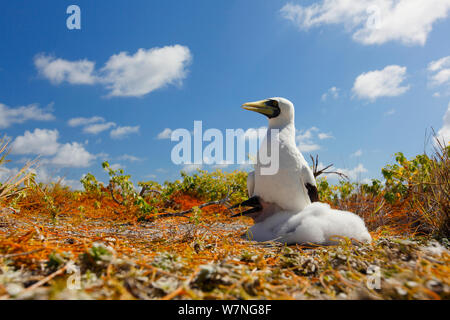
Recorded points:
293,186
285,205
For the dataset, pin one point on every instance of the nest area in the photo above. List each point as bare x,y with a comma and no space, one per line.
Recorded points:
177,241
204,257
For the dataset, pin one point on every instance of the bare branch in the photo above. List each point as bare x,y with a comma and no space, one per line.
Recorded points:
111,191
317,172
145,190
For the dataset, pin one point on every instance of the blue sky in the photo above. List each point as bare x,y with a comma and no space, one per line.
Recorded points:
137,68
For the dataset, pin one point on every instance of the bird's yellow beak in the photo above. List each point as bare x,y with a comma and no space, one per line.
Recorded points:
263,106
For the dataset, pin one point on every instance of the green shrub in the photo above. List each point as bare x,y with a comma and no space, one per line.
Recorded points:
212,186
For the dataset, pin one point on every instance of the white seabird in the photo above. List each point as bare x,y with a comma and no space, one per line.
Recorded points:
285,205
293,186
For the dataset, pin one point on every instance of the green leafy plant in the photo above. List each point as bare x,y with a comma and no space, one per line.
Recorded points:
335,193
375,189
92,187
120,183
213,186
425,182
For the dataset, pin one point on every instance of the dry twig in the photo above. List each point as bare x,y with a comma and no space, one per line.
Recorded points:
317,172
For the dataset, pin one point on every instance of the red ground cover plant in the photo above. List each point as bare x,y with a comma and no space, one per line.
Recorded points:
163,242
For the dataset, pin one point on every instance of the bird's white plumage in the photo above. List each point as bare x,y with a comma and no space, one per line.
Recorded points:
286,188
317,223
287,213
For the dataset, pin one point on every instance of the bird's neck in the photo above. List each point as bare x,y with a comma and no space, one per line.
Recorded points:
281,123
286,129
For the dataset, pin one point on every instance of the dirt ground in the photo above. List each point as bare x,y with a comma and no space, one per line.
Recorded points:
101,254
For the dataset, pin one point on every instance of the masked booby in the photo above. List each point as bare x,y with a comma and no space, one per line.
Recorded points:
293,186
285,205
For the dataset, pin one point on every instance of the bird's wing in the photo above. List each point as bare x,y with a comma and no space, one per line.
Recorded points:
307,178
251,183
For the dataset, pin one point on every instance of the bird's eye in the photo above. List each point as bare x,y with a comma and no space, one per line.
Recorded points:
272,103
275,108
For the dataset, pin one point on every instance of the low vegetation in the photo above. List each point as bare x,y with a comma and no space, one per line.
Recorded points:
176,240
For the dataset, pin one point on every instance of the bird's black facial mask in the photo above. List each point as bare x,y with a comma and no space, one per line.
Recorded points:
276,109
268,107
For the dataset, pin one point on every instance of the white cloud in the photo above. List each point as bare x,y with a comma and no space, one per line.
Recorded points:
333,92
127,157
381,83
165,134
45,142
60,70
303,135
117,166
98,127
40,141
122,132
357,153
80,121
389,112
6,173
44,176
146,70
305,139
439,71
439,64
355,173
442,77
373,21
102,156
323,136
444,133
123,75
10,116
73,155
